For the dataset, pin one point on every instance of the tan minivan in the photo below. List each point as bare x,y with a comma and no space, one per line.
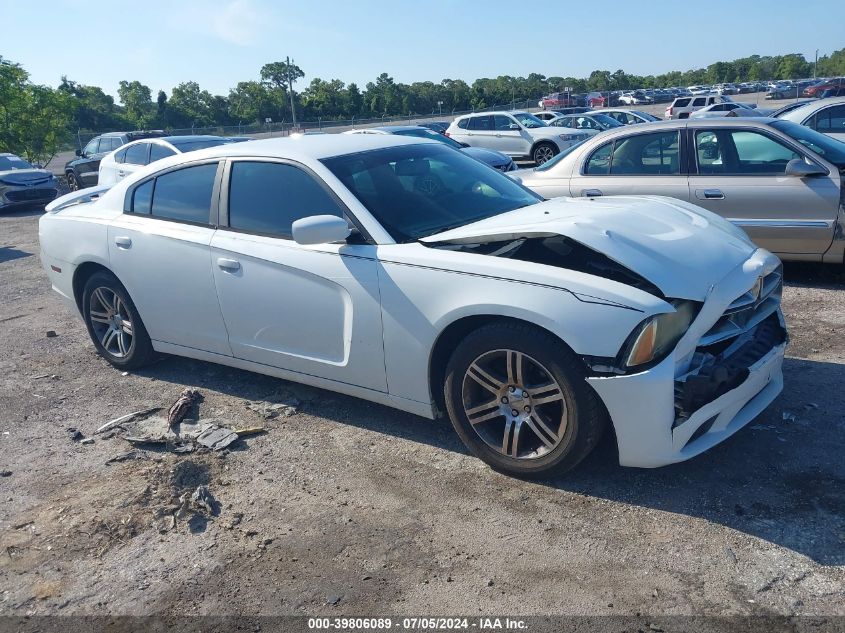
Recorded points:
780,181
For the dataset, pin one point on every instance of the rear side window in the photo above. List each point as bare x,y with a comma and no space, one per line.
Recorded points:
157,152
463,123
481,123
137,154
269,197
185,194
120,156
143,197
681,103
646,155
599,162
829,120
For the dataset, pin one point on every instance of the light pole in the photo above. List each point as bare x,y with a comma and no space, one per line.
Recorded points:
816,63
290,92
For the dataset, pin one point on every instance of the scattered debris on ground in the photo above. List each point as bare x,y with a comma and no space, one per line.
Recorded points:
187,399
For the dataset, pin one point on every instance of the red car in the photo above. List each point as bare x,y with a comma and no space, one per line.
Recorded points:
558,100
816,90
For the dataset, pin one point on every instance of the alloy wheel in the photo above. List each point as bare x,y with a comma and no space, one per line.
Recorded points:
543,153
514,404
111,321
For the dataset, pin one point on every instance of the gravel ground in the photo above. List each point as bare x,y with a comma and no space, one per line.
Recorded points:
347,507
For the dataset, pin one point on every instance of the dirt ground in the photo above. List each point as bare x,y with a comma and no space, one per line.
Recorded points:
347,507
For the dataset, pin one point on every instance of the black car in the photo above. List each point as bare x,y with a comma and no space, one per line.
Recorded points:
437,126
82,171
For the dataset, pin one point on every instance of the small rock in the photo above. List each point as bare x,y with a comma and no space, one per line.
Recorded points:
449,579
333,600
731,556
5,473
490,583
366,577
125,373
74,434
203,501
654,627
87,440
51,334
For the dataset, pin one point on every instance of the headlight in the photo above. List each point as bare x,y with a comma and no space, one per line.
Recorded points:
570,137
655,337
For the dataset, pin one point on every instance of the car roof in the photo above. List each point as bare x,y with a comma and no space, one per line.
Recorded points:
398,128
186,138
315,147
799,114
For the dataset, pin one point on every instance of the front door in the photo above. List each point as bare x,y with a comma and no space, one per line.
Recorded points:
310,309
509,137
741,176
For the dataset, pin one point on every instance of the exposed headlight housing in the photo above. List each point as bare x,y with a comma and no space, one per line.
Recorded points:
570,137
656,337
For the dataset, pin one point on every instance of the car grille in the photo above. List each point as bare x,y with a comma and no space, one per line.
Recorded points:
748,310
31,195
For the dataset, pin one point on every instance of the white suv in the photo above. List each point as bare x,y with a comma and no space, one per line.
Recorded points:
517,134
682,107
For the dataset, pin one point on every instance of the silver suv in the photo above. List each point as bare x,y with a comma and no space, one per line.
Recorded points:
682,107
517,134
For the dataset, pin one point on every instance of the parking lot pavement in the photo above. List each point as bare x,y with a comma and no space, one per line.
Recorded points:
348,507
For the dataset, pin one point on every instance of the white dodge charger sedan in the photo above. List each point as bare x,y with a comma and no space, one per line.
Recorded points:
401,271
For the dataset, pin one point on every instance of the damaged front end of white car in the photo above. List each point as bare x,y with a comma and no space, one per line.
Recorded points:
693,371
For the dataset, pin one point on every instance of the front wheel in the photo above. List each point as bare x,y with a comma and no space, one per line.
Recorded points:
114,324
517,397
544,152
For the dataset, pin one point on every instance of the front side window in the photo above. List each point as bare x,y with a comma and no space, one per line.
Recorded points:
137,154
741,153
185,194
419,190
91,148
698,102
268,197
528,121
502,123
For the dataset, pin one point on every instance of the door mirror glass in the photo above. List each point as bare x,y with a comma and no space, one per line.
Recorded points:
802,169
320,229
513,126
78,152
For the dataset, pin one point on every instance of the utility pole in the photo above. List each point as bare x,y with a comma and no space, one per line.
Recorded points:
290,91
815,63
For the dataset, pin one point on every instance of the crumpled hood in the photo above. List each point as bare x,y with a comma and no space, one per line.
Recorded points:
25,176
489,156
682,249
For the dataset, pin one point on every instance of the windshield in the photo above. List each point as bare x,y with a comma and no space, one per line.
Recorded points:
645,115
13,162
528,120
191,146
607,121
828,148
418,190
435,136
554,161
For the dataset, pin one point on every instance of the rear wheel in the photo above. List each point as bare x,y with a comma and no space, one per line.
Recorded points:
516,396
544,152
114,324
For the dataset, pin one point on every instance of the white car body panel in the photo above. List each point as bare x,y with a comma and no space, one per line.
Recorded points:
363,320
805,114
514,143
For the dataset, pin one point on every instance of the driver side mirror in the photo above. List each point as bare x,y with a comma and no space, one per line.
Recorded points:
78,152
802,169
513,126
320,229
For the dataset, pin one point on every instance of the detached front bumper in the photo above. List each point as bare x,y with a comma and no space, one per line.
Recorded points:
704,393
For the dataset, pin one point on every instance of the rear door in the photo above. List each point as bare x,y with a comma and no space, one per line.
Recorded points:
830,121
136,157
644,163
481,131
740,174
159,249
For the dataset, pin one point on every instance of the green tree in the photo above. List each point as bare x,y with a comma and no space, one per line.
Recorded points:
191,106
137,99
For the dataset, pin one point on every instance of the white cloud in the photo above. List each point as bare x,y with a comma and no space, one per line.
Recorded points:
239,22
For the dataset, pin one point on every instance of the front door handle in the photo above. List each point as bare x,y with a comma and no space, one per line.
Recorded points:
713,194
229,265
123,242
591,193
121,173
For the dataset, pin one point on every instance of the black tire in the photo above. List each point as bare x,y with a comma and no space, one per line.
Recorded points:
139,350
584,415
543,152
72,182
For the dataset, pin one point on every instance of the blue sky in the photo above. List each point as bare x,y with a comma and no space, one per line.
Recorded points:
220,42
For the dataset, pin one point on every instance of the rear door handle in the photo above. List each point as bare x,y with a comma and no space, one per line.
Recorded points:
121,173
712,194
123,242
229,265
591,193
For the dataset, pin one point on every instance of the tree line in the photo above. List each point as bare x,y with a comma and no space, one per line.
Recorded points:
37,119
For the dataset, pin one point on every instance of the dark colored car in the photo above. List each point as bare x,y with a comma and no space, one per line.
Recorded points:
82,171
437,126
23,185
